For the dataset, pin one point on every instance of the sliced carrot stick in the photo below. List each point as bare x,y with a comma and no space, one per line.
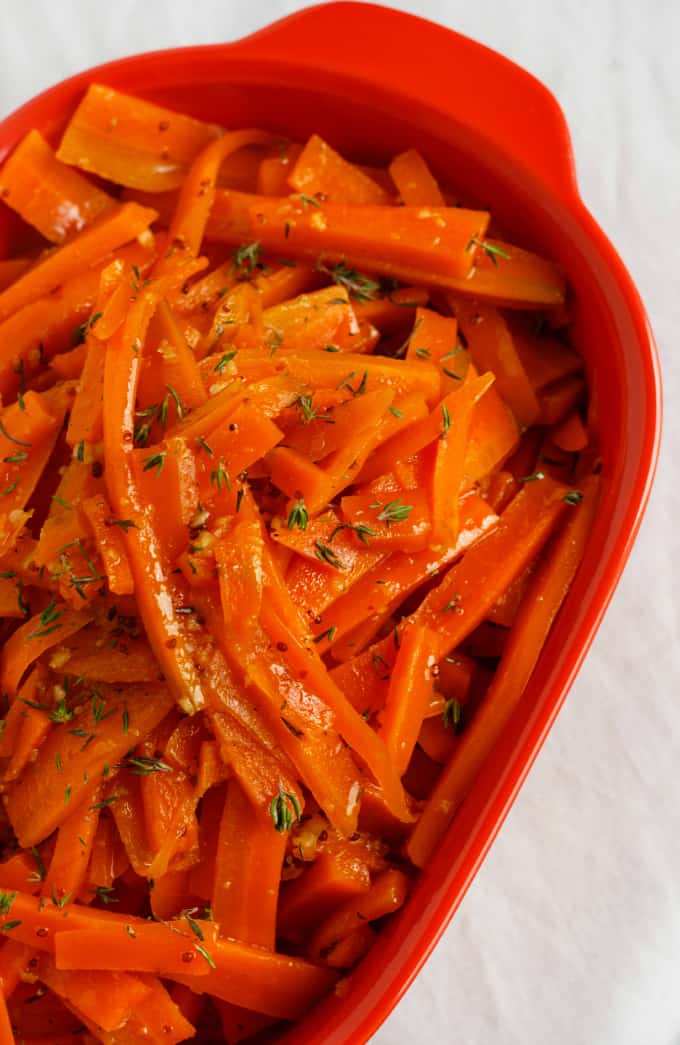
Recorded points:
537,612
6,1032
409,694
47,194
11,269
38,634
122,224
348,951
247,872
414,181
394,241
68,866
273,172
472,586
557,401
130,141
105,998
109,539
322,172
328,882
151,947
571,434
386,895
52,786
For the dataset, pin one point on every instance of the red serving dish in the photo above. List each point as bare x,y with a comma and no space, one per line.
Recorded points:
375,81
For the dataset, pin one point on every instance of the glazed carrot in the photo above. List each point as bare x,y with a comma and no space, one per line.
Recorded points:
394,242
51,787
330,881
54,624
109,540
537,612
47,194
387,894
111,230
409,694
247,872
449,463
321,172
492,348
414,181
571,434
130,141
283,528
272,174
6,1032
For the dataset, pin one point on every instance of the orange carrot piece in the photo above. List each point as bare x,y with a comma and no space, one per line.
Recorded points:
323,317
328,882
272,175
197,192
437,740
122,224
34,728
545,359
47,194
14,959
390,312
248,865
21,872
69,365
400,523
50,788
409,694
414,181
38,634
571,434
395,241
151,947
449,462
274,984
348,951
11,269
506,275
386,895
538,610
68,866
109,539
179,368
473,585
105,998
559,400
492,437
492,348
321,172
132,142
6,1032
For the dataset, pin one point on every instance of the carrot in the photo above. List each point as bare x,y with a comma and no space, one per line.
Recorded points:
394,242
414,182
348,951
68,866
507,275
109,540
386,895
51,787
330,881
38,634
47,194
571,434
247,872
537,612
272,174
150,947
6,1032
11,269
132,142
409,694
322,173
107,999
122,224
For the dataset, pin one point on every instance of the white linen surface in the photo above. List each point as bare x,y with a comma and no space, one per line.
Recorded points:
570,934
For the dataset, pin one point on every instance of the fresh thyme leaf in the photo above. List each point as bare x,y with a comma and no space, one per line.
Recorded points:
490,249
247,259
222,363
328,634
283,807
326,554
357,285
452,716
573,497
298,516
140,765
219,476
536,477
308,412
156,461
125,524
394,511
446,421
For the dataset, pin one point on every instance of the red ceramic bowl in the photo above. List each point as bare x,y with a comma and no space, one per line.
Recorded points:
375,81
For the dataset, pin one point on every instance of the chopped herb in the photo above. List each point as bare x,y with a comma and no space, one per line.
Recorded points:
57,762
326,554
125,524
362,531
393,410
222,363
308,201
452,604
394,511
126,721
143,766
48,621
247,259
280,810
331,348
298,516
40,871
446,421
239,497
423,353
357,285
194,926
490,249
62,502
379,665
328,634
105,802
403,348
67,795
308,412
204,954
156,461
6,901
6,926
204,446
104,893
361,387
219,476
60,903
19,442
131,932
16,458
9,489
573,497
537,476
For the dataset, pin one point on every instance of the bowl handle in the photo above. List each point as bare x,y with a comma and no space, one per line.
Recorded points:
441,68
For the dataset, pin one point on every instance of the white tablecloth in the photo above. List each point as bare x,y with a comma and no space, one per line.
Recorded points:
570,934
